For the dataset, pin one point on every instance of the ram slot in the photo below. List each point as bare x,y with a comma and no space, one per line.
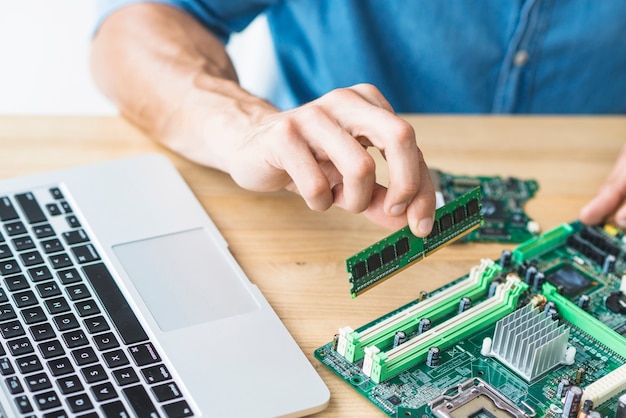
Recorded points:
380,366
351,343
545,242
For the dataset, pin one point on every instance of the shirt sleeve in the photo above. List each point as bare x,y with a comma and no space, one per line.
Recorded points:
222,17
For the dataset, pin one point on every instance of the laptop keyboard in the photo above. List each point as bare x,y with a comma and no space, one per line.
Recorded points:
70,343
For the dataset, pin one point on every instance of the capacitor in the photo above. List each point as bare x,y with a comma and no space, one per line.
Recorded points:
594,414
562,388
549,305
422,295
552,314
572,402
505,258
530,274
492,289
432,360
580,375
587,406
424,325
399,338
464,304
620,412
539,280
583,302
609,264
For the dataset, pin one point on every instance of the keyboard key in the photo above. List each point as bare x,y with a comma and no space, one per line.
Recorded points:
69,384
51,246
75,339
72,221
66,207
3,296
85,253
79,403
53,209
39,274
8,267
14,385
48,289
56,414
78,292
5,252
37,382
57,305
28,364
20,346
43,231
106,341
139,400
114,410
115,303
33,315
2,350
42,332
166,392
104,392
7,211
31,258
75,237
51,349
23,243
125,376
11,329
47,400
15,283
144,354
178,409
69,276
156,374
30,207
87,307
60,261
6,368
25,299
56,193
66,322
84,356
23,404
60,366
15,228
93,374
7,312
96,324
115,358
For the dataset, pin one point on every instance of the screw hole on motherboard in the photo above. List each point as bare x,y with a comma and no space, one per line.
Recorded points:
481,372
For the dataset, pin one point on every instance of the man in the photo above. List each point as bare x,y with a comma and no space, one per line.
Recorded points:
166,67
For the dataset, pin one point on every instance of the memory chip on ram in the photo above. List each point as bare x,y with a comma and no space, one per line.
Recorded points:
401,249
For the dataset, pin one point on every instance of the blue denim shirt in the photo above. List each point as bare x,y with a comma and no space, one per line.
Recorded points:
479,56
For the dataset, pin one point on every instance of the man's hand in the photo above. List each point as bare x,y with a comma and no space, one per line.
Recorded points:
610,202
172,77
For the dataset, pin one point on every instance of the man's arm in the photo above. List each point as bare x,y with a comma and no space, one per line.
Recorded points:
172,77
611,198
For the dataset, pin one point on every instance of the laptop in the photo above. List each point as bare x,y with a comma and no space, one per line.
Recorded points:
120,298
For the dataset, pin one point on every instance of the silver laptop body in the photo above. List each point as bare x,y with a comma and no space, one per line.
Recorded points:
134,242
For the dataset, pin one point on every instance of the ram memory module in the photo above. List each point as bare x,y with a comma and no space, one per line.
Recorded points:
399,250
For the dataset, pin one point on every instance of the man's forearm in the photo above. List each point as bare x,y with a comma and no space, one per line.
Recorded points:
165,71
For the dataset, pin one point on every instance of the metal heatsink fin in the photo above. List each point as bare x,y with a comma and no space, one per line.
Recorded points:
529,343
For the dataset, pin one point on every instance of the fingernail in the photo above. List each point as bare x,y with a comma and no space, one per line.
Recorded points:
398,209
621,223
425,226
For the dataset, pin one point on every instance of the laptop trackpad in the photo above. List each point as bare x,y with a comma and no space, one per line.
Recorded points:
184,279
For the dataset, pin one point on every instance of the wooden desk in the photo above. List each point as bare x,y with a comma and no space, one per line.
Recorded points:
296,256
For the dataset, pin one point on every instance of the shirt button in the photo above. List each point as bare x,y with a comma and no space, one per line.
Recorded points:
521,58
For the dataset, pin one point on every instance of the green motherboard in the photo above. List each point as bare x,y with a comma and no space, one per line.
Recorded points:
540,332
503,201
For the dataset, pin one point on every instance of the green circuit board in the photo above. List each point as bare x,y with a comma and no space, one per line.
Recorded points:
503,201
516,337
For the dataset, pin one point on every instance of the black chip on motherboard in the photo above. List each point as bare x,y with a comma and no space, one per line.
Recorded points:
445,222
570,280
459,214
493,211
402,246
373,262
394,400
388,253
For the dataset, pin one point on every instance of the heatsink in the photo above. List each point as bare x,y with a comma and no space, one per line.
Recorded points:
529,343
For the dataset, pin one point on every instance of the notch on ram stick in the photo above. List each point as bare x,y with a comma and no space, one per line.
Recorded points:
401,249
